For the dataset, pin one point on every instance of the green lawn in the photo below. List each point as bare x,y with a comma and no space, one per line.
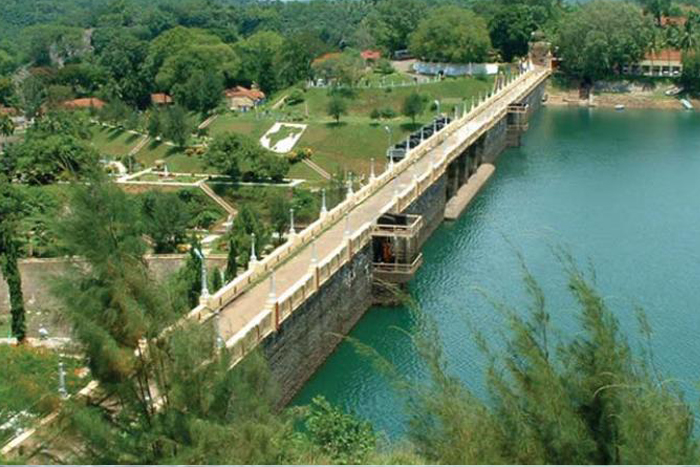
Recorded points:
113,142
176,159
246,124
303,171
449,91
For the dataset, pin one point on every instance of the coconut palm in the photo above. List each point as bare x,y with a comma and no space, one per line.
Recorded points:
7,127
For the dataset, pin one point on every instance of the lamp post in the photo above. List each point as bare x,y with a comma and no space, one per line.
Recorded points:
62,391
324,209
314,253
372,175
217,330
253,258
347,225
292,231
387,128
203,272
349,183
273,288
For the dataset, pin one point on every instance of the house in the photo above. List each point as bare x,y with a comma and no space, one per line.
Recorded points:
243,99
161,98
371,56
666,62
84,103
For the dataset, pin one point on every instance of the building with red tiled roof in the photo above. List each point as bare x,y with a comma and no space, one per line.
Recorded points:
673,21
244,99
161,98
371,55
84,103
665,62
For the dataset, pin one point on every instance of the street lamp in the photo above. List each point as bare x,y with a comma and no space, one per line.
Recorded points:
389,135
324,209
292,231
203,271
253,258
62,391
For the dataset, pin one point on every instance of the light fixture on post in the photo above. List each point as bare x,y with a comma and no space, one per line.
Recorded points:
203,272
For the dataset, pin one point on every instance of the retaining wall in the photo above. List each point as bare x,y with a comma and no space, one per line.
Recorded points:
37,275
310,334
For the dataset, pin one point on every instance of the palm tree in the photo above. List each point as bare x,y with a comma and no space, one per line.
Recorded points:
688,36
7,128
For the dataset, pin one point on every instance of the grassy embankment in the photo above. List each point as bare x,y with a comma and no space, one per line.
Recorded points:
350,144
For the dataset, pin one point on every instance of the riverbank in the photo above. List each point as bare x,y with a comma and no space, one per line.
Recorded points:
631,100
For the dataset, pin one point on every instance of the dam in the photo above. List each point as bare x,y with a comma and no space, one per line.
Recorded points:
297,302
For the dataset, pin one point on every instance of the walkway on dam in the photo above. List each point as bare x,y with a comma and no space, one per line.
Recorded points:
235,315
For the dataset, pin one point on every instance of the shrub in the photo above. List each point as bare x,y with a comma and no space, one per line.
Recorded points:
387,113
375,114
295,97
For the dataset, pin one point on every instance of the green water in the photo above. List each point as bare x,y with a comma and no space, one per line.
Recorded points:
618,189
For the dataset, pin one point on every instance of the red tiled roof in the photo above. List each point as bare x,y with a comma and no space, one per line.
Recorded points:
326,56
11,111
161,98
371,54
240,91
84,103
664,55
673,20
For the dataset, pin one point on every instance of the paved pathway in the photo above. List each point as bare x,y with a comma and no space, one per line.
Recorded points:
240,311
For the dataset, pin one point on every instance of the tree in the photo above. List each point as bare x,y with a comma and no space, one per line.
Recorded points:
176,125
413,106
201,92
10,208
178,53
279,212
344,438
240,157
601,37
584,400
451,34
231,261
690,77
215,281
245,224
336,107
7,127
54,148
510,30
260,55
190,275
165,220
7,90
391,22
657,8
32,94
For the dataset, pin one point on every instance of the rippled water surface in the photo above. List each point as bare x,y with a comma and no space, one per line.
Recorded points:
618,189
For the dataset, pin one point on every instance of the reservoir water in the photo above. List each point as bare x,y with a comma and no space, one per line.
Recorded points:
618,190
